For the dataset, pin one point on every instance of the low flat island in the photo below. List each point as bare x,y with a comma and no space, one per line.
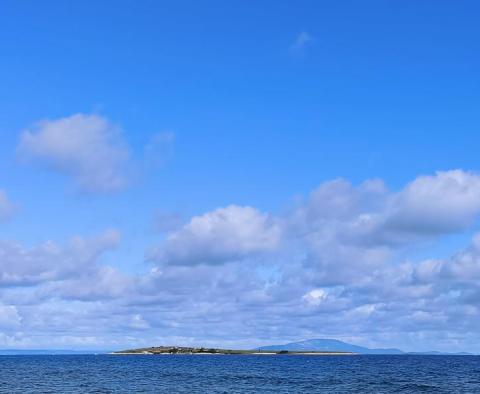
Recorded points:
160,350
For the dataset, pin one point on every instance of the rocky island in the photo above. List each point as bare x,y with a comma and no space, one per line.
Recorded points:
160,350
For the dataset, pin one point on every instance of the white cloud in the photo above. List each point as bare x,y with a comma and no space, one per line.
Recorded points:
223,235
93,284
87,147
20,266
445,202
341,273
9,317
348,231
6,207
463,268
315,296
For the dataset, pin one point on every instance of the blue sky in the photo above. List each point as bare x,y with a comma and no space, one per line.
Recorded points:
173,129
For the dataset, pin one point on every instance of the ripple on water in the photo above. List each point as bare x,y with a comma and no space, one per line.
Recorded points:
239,374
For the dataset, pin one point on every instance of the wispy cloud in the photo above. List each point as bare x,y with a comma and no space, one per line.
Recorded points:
301,41
159,149
7,208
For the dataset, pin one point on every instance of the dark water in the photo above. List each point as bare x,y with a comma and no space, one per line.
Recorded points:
239,374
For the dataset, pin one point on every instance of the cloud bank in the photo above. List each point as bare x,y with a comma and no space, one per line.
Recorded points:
336,264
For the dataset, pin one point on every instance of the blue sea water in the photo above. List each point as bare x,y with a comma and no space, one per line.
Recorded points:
239,374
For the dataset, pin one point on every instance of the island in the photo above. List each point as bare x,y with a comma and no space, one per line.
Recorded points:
169,350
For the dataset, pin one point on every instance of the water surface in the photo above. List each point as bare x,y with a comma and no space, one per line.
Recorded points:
239,374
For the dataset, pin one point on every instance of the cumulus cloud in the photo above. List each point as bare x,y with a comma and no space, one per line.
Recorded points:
9,317
223,235
445,202
333,266
430,205
462,268
344,270
21,266
341,272
348,231
87,147
6,206
93,284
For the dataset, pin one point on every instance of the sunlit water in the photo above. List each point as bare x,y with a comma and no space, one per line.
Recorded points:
239,374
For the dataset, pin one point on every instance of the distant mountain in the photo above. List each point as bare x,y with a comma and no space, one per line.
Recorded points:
332,345
329,345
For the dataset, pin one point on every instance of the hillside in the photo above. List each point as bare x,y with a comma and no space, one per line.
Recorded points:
328,345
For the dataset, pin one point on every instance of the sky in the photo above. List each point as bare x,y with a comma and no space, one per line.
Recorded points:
237,174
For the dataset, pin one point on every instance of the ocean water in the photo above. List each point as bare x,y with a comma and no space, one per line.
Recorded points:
239,374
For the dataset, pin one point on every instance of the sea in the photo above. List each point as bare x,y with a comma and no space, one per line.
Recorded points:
239,374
